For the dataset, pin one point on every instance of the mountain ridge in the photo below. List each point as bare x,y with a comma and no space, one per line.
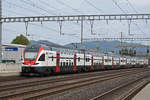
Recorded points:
101,46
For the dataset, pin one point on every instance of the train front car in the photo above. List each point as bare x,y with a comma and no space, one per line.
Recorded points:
33,59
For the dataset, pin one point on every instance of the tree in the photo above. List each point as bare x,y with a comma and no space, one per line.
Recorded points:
21,40
97,48
127,52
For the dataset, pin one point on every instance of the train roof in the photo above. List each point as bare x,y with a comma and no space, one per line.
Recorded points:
56,47
72,50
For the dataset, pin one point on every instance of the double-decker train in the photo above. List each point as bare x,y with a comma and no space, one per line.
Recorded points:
45,60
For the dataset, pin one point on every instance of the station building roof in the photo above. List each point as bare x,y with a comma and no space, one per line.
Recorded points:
14,45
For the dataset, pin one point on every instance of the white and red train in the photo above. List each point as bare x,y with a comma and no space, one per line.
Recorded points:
45,60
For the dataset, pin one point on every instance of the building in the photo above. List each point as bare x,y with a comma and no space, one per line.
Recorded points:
12,53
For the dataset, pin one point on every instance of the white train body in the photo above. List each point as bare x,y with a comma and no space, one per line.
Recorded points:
40,59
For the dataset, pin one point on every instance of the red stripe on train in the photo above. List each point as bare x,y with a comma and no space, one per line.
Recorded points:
57,62
75,62
92,68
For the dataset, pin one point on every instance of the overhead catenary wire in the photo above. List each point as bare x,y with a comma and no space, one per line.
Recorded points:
51,7
126,13
76,10
18,33
59,0
137,13
98,9
26,25
132,6
16,5
36,6
91,4
33,5
30,23
47,28
25,8
119,6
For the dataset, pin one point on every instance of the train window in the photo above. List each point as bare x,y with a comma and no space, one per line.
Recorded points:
69,63
79,59
42,57
87,59
63,63
66,63
107,60
52,58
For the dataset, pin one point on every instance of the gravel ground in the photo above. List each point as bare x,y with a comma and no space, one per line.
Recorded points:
143,94
83,93
33,79
21,90
88,92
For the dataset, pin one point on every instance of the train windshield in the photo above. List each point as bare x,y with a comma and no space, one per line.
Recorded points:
30,55
31,52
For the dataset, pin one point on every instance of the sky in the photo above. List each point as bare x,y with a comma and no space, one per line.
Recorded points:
50,30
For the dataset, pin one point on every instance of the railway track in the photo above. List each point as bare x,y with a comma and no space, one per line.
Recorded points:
36,83
11,78
47,81
20,80
32,80
125,91
52,87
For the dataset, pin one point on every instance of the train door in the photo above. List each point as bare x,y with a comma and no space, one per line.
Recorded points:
119,62
57,62
102,62
112,62
126,63
75,62
92,66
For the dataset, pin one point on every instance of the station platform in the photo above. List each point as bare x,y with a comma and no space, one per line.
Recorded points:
10,69
9,73
144,94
